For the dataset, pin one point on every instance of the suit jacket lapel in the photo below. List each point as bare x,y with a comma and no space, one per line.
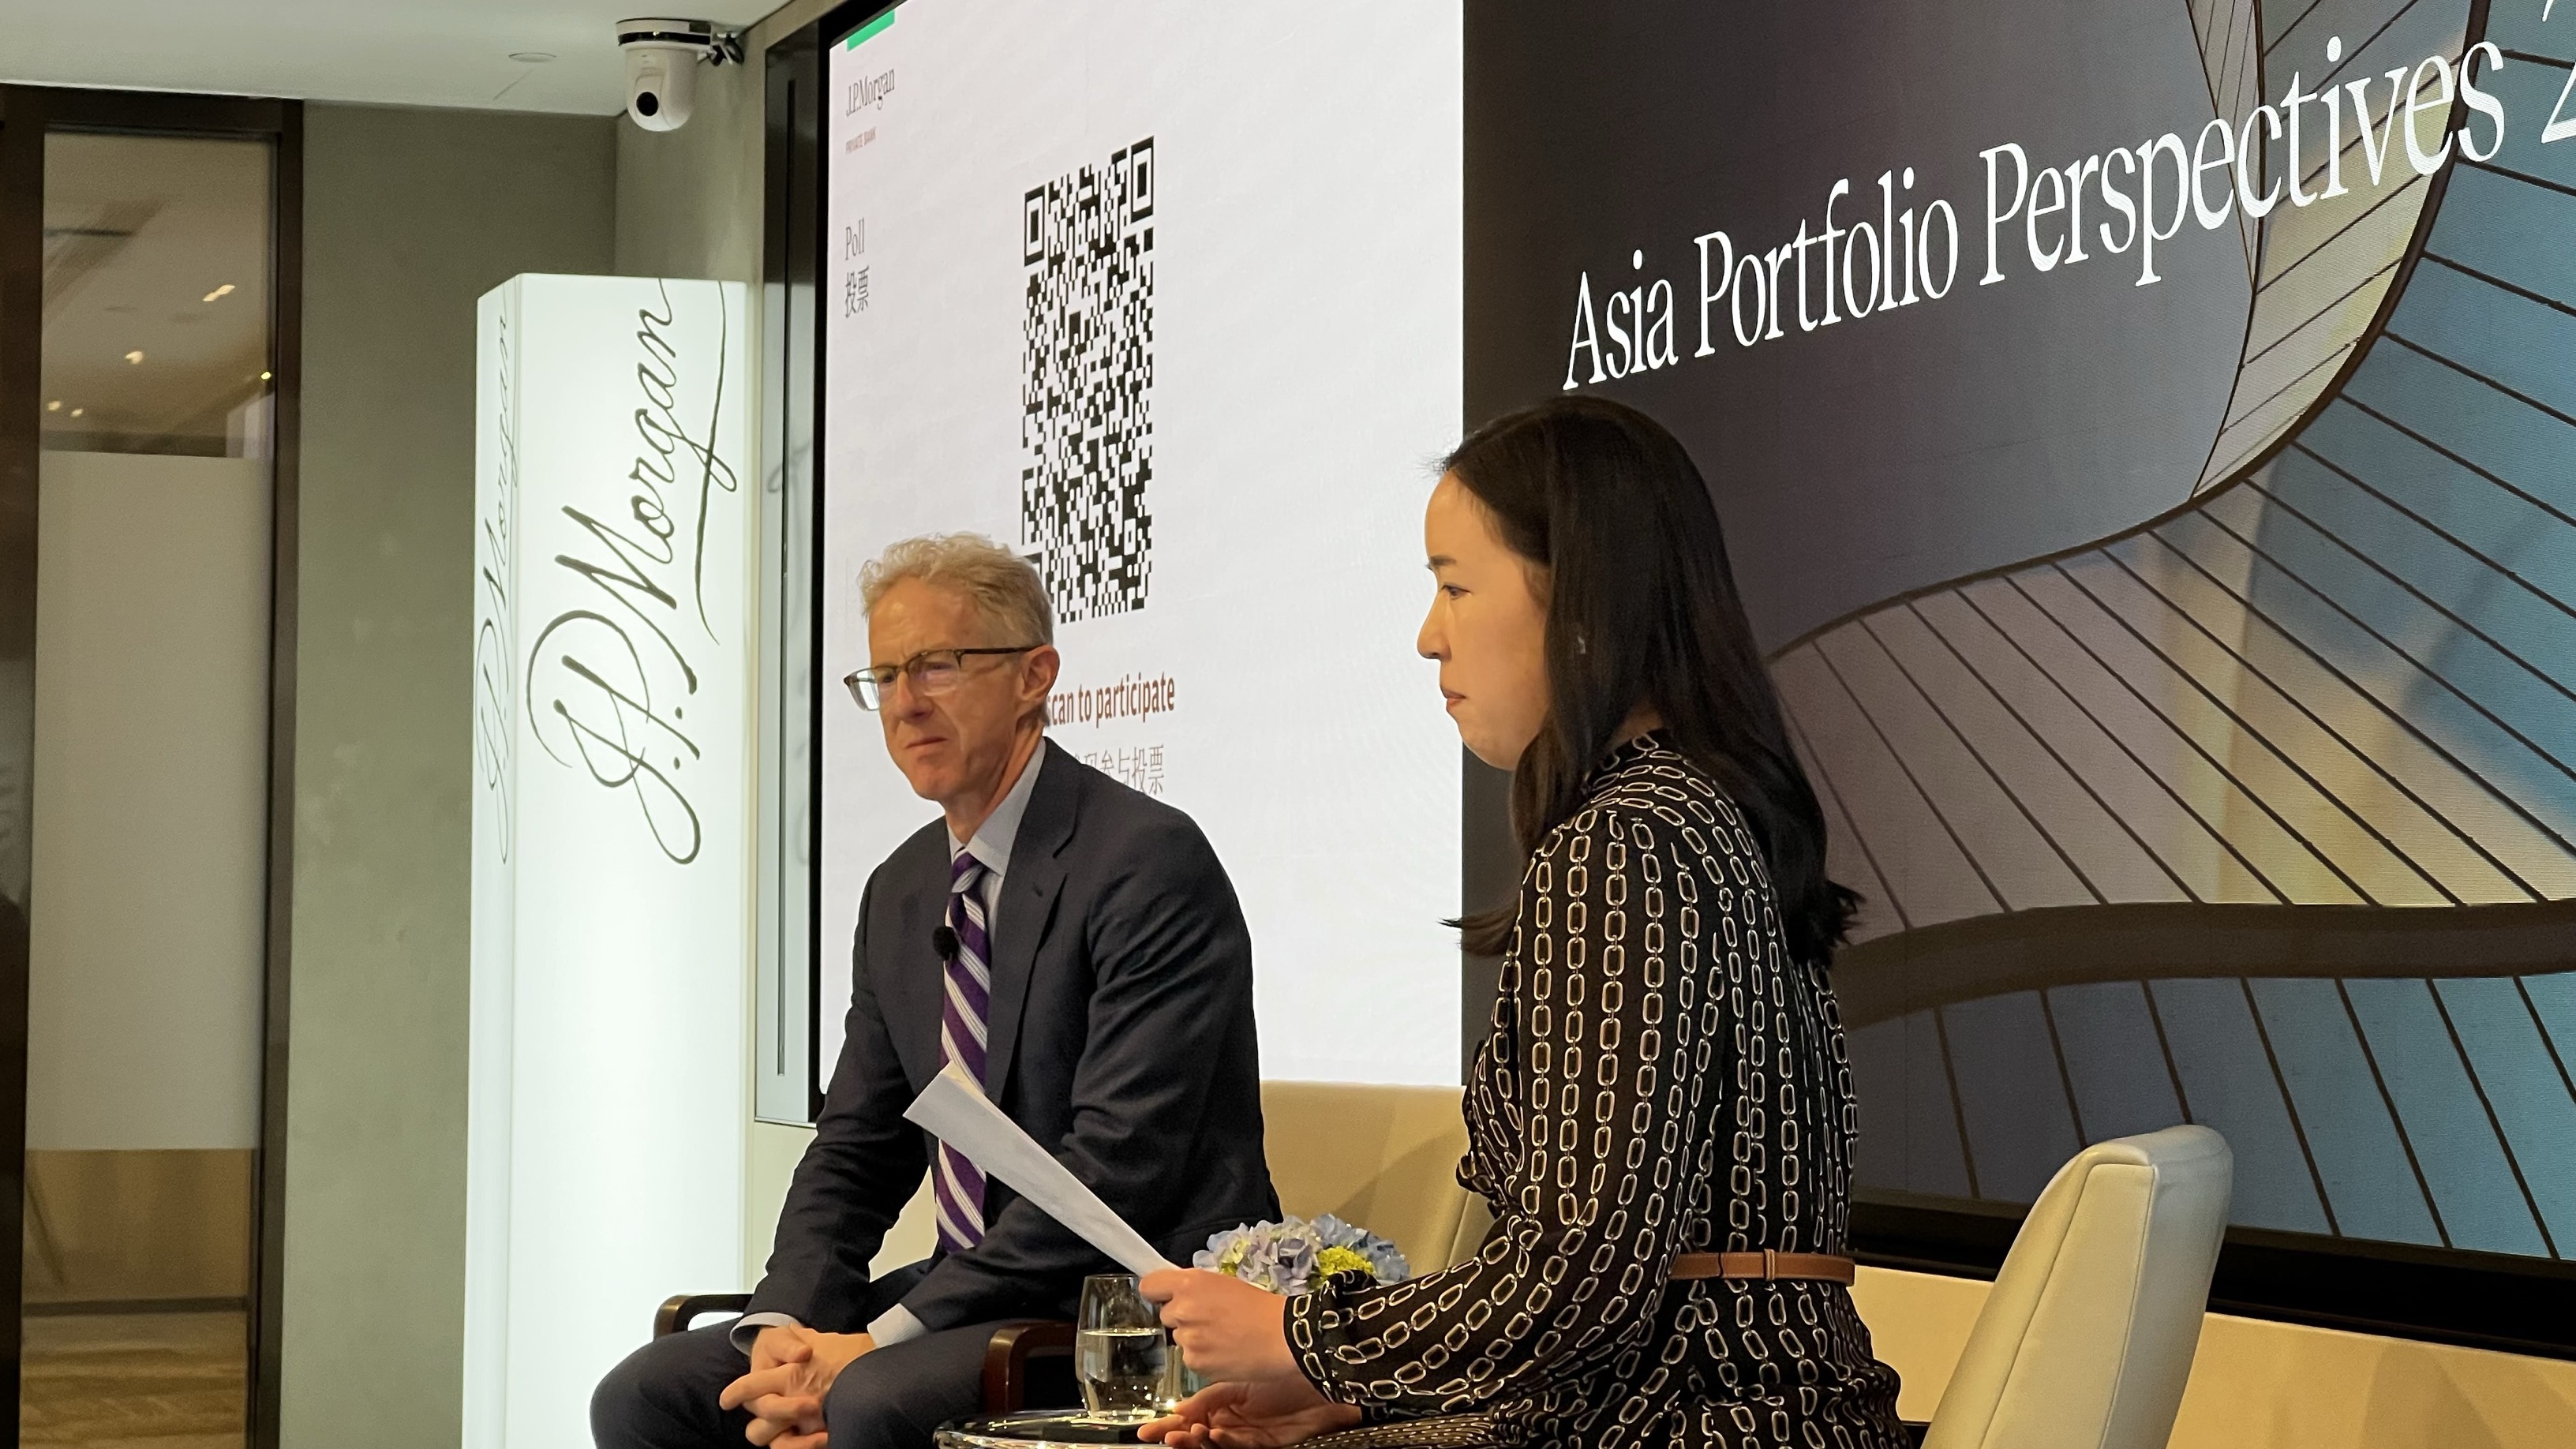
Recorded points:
1028,908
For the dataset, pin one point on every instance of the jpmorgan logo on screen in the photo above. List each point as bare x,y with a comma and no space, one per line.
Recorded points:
870,92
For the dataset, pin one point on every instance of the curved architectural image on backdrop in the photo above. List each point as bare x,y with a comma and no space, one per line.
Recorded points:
2182,632
2263,814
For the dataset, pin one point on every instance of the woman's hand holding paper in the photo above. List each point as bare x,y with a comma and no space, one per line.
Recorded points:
1226,1328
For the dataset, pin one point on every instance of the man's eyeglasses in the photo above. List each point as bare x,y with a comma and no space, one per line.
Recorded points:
932,671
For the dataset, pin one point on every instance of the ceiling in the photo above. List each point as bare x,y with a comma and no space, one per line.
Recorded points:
156,293
385,52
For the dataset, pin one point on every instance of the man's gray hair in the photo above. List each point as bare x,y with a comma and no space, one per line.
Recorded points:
1006,589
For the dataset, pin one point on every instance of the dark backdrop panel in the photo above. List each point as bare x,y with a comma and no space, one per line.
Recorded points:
1910,445
2181,649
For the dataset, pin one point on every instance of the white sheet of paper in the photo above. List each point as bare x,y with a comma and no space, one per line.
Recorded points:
954,1110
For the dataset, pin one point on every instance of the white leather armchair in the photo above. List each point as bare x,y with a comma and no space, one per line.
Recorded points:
2088,1336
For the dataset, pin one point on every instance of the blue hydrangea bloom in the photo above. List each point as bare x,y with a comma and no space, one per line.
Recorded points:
1281,1256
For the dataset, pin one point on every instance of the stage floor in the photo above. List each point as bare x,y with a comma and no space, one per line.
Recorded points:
135,1381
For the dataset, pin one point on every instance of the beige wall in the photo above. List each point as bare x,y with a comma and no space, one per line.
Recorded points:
689,201
2260,1385
409,216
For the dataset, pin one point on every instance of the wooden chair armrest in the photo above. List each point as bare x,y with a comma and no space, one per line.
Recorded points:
683,1309
1006,1360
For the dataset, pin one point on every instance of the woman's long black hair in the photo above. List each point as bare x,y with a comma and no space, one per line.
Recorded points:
1642,609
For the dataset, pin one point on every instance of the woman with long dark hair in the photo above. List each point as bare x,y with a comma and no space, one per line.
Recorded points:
1662,1118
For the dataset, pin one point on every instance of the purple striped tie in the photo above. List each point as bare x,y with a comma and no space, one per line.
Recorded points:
959,1183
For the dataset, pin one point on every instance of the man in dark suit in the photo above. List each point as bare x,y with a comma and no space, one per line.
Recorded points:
1069,942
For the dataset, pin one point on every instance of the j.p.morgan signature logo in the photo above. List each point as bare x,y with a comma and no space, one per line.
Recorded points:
870,92
613,676
495,707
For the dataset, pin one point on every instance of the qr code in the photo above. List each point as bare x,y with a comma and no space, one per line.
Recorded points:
1087,383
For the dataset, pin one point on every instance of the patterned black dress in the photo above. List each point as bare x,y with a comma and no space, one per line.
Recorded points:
1661,1079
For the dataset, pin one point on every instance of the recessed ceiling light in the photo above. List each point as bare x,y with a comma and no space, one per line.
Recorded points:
531,57
55,406
263,377
225,290
76,412
135,356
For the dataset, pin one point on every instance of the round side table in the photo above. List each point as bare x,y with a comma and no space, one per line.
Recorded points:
1037,1429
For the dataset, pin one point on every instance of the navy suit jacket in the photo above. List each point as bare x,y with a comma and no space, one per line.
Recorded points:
1121,1037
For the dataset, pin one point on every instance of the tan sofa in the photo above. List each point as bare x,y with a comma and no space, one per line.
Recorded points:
1384,1158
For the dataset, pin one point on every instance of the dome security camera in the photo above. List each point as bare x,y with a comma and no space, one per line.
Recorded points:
662,60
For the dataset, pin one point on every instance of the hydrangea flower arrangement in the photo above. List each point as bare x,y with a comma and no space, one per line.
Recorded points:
1295,1256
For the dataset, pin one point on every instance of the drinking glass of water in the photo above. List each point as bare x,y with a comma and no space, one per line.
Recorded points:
1127,1366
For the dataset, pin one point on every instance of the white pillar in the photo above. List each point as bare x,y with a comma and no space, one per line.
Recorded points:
611,808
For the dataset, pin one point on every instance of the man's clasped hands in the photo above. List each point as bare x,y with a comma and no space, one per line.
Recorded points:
791,1371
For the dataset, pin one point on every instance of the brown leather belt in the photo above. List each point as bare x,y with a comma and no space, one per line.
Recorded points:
1767,1265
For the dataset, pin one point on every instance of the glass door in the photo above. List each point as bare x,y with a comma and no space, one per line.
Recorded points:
146,872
